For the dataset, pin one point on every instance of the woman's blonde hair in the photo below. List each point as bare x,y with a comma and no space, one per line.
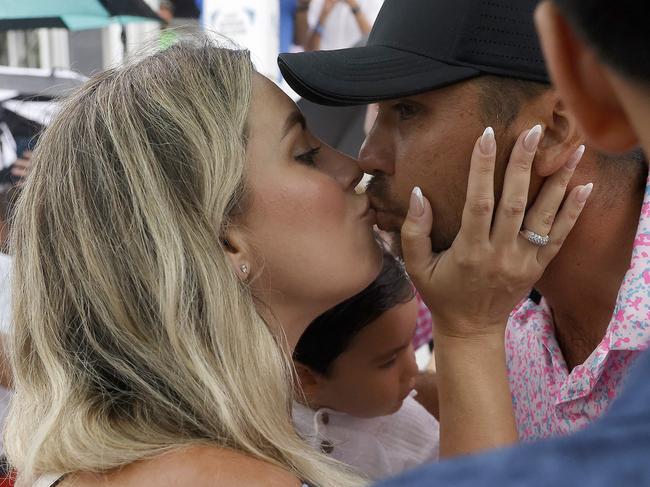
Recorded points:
133,335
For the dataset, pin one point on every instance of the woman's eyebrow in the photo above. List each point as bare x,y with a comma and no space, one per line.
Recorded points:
294,118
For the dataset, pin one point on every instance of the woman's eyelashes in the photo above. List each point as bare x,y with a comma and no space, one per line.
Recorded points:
309,158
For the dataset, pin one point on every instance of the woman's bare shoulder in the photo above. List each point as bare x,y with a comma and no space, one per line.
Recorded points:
199,466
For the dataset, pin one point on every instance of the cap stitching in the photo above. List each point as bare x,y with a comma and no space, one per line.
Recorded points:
507,44
385,75
485,53
501,31
505,7
500,17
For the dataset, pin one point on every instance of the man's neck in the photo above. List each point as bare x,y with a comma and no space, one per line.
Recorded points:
582,283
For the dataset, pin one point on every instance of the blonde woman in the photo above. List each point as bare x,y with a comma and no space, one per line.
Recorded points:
179,231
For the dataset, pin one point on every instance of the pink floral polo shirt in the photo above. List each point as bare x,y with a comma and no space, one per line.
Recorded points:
550,401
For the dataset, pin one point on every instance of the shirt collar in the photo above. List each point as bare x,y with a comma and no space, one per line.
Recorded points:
629,328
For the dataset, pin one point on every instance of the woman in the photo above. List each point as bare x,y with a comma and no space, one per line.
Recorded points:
179,231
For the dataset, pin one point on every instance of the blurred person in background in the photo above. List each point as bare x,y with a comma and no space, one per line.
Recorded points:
334,24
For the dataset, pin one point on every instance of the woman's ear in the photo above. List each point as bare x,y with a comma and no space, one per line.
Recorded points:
561,137
237,250
583,83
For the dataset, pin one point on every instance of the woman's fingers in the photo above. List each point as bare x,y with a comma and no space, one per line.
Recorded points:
564,222
479,202
542,214
416,240
512,205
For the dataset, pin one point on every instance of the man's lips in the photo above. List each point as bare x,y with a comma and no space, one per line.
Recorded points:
389,221
380,206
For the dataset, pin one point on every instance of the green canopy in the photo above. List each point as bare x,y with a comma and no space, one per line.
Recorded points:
71,14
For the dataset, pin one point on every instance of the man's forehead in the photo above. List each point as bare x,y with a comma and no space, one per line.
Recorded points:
439,94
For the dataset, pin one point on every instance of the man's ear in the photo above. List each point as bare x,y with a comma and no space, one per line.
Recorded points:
234,242
583,83
561,137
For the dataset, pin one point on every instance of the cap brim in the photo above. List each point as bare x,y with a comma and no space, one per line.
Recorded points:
362,75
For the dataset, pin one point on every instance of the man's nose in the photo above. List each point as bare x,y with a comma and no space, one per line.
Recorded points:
375,155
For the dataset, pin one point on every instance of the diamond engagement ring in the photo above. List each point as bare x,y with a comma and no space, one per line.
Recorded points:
535,238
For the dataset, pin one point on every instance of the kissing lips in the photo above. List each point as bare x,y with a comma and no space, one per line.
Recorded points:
389,221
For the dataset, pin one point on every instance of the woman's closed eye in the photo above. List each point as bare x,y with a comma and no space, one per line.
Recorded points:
309,158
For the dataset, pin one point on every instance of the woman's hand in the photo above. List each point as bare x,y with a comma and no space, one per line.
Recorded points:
472,287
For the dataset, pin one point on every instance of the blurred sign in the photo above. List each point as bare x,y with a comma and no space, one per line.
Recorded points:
252,24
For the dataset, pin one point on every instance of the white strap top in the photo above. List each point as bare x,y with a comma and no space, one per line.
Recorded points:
48,480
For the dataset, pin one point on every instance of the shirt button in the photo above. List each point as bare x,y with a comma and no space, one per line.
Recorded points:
326,447
325,418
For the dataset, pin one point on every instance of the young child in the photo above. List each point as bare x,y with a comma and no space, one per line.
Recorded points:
357,369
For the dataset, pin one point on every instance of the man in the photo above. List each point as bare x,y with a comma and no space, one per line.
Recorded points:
584,42
442,71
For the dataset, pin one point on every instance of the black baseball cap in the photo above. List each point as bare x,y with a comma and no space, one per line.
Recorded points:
420,45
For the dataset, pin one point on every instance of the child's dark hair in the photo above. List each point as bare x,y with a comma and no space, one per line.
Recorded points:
330,334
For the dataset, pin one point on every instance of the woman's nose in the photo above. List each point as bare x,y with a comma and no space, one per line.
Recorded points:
345,170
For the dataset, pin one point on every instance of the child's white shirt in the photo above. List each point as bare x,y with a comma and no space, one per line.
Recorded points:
376,447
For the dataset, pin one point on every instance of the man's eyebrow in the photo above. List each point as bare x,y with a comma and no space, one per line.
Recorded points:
294,118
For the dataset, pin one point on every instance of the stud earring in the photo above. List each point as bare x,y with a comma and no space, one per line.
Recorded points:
243,268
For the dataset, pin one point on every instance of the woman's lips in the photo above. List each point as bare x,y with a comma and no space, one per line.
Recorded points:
369,213
370,216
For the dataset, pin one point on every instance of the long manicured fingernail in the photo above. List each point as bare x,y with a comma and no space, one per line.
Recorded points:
584,192
416,206
575,158
487,144
532,138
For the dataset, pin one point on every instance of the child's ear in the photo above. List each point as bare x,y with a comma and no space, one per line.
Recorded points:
309,382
